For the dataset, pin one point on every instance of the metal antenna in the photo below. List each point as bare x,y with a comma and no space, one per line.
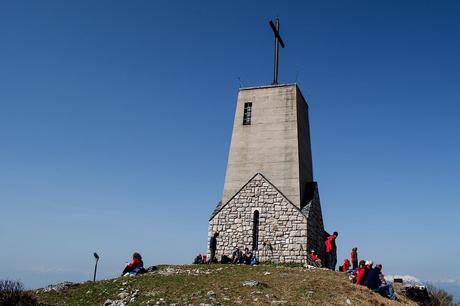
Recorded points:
278,41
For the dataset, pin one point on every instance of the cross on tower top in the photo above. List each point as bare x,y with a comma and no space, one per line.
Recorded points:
278,41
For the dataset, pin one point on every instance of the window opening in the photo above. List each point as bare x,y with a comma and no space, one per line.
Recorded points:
255,231
247,113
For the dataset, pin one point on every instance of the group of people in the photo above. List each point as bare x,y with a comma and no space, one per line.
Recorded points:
238,257
362,273
371,277
366,274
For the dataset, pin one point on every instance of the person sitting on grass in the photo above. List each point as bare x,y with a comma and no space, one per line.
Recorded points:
367,267
376,282
360,273
237,255
198,259
134,267
225,259
247,256
346,265
313,259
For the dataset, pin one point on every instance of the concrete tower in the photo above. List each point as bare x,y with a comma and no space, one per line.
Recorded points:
273,138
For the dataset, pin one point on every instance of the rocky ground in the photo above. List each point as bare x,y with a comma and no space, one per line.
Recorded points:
219,285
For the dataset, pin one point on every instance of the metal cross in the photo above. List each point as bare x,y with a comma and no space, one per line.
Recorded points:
278,41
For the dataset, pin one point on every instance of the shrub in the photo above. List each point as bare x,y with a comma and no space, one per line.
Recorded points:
12,294
440,297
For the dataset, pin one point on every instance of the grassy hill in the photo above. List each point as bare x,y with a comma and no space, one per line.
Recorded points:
221,285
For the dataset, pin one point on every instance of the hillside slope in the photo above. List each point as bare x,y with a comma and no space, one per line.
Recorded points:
221,285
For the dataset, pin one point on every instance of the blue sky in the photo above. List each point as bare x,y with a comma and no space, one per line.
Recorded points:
116,119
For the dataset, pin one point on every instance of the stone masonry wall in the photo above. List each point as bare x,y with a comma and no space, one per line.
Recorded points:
282,227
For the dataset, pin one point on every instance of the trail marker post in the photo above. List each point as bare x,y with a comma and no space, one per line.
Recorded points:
95,266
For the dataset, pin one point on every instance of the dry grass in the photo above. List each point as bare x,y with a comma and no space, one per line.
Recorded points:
192,284
12,293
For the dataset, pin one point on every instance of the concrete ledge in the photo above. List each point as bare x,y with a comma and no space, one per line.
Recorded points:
268,86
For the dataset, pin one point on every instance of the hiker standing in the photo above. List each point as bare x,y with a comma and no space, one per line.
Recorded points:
213,247
354,257
331,251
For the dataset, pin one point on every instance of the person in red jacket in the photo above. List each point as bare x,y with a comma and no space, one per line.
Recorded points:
331,251
313,256
354,257
313,259
136,266
361,272
346,265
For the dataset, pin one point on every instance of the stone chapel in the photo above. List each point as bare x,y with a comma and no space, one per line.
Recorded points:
270,201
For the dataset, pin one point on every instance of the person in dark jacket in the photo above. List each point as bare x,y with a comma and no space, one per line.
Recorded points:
373,279
237,255
376,282
213,247
136,266
247,256
198,259
354,257
368,267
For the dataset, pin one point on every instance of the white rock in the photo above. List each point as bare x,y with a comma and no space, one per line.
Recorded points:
251,283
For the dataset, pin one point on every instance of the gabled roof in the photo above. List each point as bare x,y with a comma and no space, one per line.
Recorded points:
311,194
